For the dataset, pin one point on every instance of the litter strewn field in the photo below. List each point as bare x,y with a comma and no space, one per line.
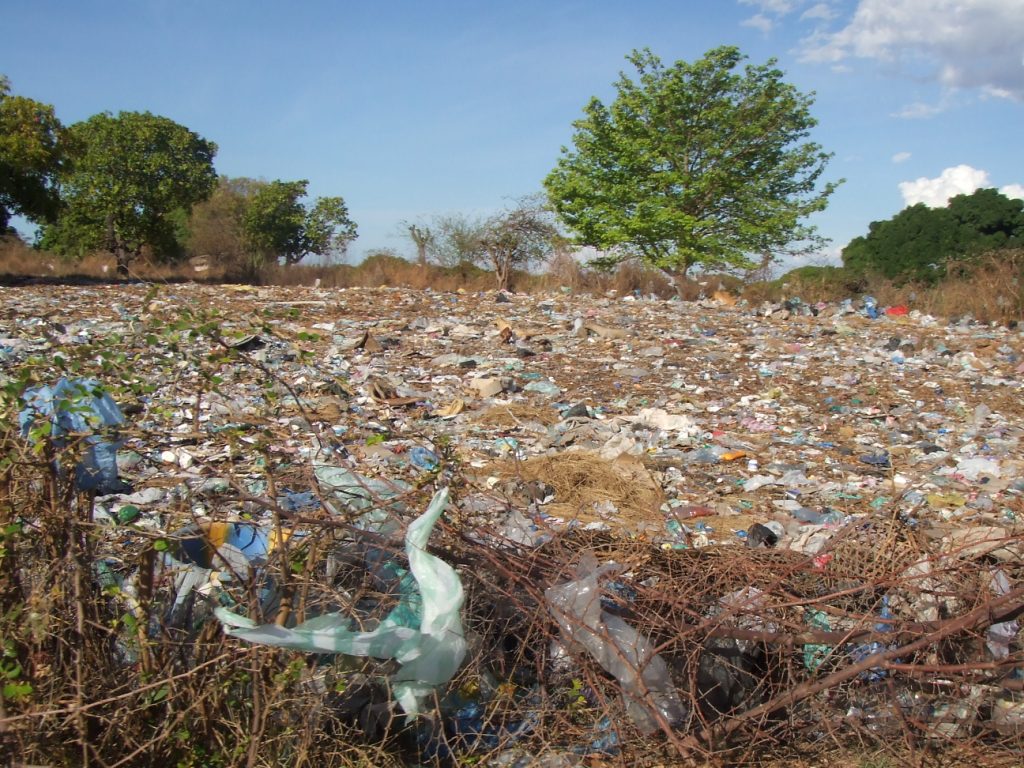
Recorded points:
267,526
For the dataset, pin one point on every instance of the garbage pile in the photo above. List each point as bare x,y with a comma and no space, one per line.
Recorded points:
557,529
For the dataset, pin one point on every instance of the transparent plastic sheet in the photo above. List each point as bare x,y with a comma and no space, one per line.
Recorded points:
620,650
423,632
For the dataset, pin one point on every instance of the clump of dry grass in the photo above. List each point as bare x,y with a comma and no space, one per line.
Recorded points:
516,414
583,482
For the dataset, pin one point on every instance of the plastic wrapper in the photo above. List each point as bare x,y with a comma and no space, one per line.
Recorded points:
423,632
620,650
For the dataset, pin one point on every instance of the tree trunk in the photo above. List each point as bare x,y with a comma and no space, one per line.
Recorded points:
502,273
123,257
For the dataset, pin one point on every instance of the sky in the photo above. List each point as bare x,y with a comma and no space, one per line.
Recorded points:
410,110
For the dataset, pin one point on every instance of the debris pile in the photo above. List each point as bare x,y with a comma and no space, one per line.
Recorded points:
557,529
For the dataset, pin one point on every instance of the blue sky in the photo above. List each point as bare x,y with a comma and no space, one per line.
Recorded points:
414,109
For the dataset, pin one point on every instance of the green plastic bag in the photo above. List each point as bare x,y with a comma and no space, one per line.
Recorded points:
429,653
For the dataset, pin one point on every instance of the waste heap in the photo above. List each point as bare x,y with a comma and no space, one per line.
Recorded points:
537,530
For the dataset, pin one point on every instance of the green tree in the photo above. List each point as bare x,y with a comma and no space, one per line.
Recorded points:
31,157
918,242
694,164
987,220
131,177
276,225
914,243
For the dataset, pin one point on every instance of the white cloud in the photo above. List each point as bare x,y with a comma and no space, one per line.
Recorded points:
961,44
759,21
919,110
901,157
777,7
819,11
1013,190
935,193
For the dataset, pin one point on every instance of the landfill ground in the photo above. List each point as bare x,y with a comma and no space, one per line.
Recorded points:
687,532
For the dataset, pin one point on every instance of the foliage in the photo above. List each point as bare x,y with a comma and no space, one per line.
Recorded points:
919,242
694,164
516,239
215,225
277,226
130,174
31,156
812,283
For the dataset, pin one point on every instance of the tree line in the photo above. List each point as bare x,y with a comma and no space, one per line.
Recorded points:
920,243
136,181
705,165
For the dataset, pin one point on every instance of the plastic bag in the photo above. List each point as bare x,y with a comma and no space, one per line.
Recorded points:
356,492
429,653
79,407
615,645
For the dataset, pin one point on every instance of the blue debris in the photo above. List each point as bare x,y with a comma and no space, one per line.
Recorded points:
78,407
424,458
880,459
298,501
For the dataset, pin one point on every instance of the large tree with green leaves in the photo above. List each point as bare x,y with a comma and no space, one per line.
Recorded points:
702,163
277,225
132,176
918,242
31,156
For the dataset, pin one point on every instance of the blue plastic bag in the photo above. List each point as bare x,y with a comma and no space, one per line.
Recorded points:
78,407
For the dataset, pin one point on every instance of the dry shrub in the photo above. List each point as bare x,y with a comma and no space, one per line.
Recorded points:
17,258
564,271
812,285
990,289
385,269
330,276
632,277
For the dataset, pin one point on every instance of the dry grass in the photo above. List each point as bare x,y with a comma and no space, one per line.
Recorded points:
19,262
584,484
989,289
516,414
